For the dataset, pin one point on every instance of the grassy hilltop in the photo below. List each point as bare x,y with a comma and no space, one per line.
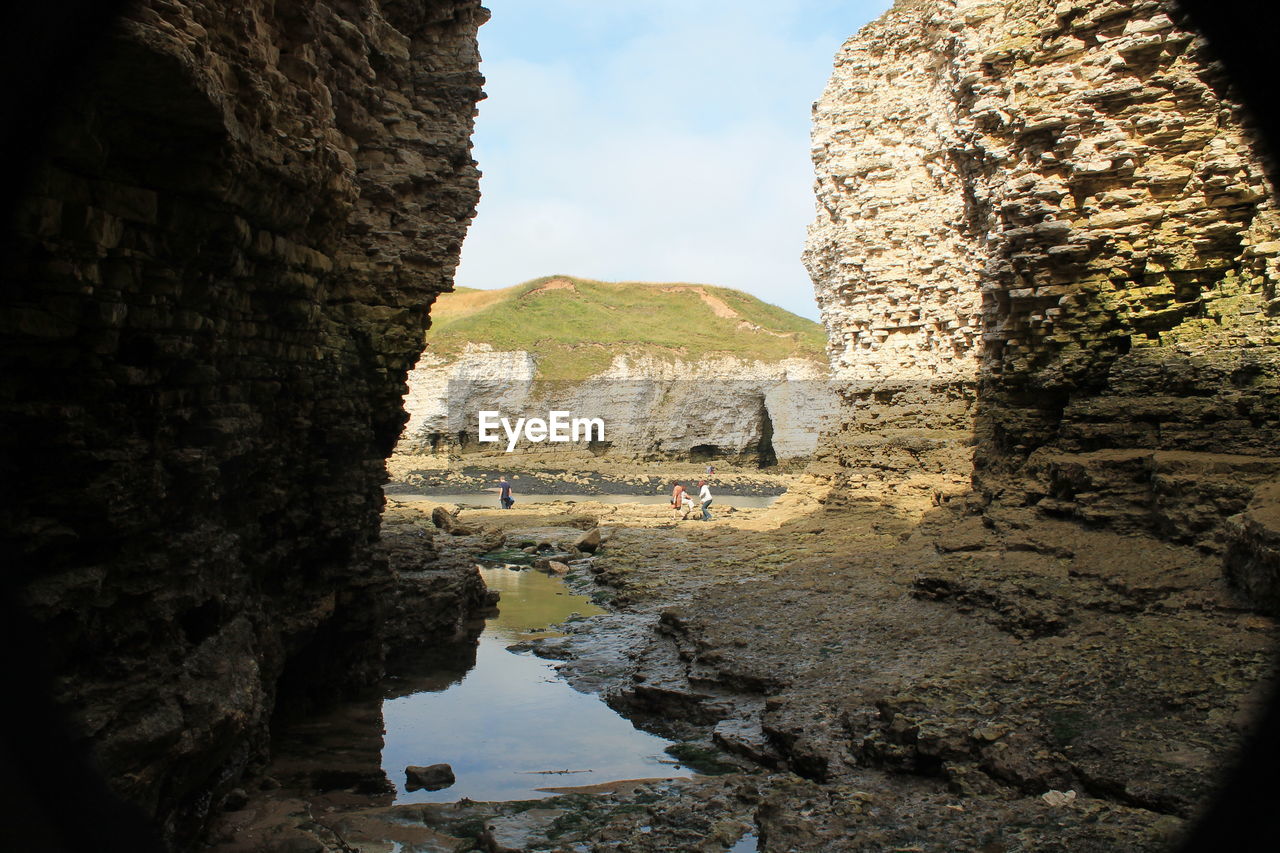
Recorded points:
576,326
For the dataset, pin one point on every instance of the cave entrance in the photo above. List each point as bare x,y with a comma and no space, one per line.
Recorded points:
703,452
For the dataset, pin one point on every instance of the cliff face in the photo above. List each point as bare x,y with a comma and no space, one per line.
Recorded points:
219,282
1051,218
718,407
673,369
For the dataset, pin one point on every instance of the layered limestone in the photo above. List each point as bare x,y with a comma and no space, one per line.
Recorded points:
719,407
1050,219
1253,547
219,281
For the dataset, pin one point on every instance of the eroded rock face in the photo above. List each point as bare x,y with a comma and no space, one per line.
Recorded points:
220,280
717,407
1051,218
1253,547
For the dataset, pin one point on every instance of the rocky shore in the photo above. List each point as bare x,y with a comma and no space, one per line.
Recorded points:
958,679
576,475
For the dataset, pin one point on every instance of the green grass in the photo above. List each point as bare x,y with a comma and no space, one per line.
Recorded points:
575,331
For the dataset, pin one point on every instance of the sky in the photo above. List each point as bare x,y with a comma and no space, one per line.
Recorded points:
652,140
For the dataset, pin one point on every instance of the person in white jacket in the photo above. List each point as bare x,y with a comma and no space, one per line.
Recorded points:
704,498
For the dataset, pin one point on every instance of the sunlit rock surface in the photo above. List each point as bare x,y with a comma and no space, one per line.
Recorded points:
1048,224
652,408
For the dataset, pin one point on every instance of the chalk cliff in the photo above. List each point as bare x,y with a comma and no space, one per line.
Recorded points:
674,370
1049,223
219,280
754,411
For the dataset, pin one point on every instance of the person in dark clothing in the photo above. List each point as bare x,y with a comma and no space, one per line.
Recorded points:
504,494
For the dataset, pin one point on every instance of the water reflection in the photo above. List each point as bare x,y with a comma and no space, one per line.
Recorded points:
531,602
510,726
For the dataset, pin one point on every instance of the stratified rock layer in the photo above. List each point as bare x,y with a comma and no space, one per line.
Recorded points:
1050,220
673,370
220,280
720,407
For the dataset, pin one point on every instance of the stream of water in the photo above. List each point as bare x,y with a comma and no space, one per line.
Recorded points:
511,727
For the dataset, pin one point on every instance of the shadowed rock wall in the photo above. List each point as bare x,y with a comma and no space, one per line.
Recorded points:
1053,219
220,279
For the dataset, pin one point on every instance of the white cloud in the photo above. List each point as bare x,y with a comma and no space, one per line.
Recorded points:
649,141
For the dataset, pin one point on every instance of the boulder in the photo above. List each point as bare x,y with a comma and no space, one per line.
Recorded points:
448,522
433,777
235,800
443,519
589,541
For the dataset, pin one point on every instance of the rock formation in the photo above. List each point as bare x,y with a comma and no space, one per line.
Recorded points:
1045,252
725,407
674,370
219,281
1050,221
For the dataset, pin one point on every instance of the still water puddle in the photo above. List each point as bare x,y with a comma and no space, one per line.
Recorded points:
511,726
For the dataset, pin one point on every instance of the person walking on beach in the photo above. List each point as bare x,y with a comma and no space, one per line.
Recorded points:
678,495
504,495
704,498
